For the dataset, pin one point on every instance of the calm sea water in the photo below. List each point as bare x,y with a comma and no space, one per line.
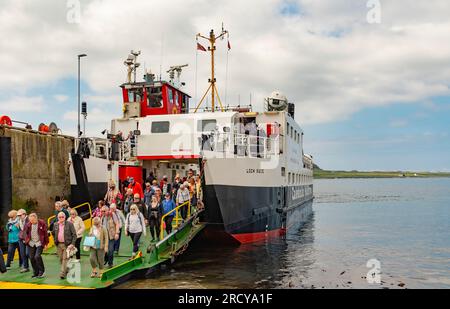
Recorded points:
403,223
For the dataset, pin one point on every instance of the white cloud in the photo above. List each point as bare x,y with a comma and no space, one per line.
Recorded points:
61,98
18,104
328,60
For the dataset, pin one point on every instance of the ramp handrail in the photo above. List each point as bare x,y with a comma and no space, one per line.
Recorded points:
188,203
76,207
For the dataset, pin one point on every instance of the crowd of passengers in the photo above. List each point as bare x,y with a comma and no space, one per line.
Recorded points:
128,209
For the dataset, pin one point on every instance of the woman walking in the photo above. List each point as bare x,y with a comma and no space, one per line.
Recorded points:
135,227
79,228
97,251
24,254
154,218
13,236
113,195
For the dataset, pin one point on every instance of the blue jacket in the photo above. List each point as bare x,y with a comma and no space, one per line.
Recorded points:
168,205
13,231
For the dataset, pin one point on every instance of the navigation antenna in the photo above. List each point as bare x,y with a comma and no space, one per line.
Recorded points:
132,64
178,69
214,92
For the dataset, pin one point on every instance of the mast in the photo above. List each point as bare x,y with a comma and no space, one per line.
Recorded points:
212,81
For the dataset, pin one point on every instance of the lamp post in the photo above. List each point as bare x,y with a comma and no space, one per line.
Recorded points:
79,57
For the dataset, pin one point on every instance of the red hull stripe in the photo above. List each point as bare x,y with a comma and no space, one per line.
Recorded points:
168,157
246,238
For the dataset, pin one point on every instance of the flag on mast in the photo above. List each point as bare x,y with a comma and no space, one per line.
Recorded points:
200,47
229,46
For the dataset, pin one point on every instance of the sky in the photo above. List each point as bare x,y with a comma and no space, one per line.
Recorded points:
369,78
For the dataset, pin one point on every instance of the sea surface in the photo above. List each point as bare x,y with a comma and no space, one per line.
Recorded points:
403,224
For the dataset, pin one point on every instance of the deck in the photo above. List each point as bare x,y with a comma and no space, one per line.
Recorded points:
152,254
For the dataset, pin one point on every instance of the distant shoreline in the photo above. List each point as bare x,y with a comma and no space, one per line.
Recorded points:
324,174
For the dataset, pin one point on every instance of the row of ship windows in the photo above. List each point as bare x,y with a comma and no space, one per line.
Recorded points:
296,136
298,178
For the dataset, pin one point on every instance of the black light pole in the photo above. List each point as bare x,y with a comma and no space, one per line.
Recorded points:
79,57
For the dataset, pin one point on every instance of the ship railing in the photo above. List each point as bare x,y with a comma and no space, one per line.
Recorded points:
256,146
177,218
106,149
126,150
228,108
244,145
98,147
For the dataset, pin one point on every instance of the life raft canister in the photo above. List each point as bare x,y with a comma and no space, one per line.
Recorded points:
5,120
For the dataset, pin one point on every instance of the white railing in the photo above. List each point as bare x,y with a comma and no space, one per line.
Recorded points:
243,145
240,145
103,148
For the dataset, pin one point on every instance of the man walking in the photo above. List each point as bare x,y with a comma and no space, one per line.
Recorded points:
65,237
36,239
112,225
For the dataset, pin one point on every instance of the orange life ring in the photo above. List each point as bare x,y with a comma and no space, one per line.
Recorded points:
5,120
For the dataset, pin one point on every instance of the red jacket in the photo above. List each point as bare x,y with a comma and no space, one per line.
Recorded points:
42,231
136,189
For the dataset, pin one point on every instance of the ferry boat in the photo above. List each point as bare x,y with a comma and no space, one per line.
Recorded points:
256,180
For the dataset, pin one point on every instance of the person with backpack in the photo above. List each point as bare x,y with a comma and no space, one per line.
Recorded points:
135,227
114,210
112,224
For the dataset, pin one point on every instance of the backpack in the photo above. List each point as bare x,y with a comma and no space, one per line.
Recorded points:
140,220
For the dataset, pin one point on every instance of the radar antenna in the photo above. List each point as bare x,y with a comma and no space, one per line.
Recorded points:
178,69
132,64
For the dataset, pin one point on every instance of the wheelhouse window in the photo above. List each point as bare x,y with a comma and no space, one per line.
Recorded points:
176,98
185,103
170,95
206,125
154,97
160,126
134,95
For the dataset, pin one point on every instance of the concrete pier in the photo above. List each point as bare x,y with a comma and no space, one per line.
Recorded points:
40,170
